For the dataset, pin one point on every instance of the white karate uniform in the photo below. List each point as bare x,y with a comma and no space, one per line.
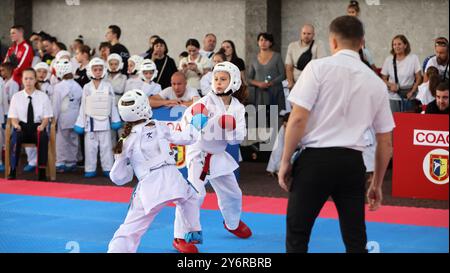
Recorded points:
138,83
66,105
10,88
118,82
222,164
275,157
97,131
147,154
47,88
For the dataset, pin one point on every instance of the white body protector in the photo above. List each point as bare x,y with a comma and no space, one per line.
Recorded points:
97,104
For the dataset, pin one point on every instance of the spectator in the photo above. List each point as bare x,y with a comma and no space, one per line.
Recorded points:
178,94
48,43
134,80
195,65
148,73
402,74
266,74
440,105
104,51
164,64
440,60
299,48
353,9
20,53
36,44
205,82
76,44
113,35
148,54
365,55
209,44
10,87
83,56
230,52
427,90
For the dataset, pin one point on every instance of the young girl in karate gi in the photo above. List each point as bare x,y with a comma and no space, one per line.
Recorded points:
207,159
97,117
134,79
148,73
144,150
66,105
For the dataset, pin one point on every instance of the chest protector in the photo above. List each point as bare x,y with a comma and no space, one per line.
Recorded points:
98,104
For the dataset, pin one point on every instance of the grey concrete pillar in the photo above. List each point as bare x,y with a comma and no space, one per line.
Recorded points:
14,12
261,16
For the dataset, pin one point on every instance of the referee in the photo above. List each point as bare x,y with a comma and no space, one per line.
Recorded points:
334,101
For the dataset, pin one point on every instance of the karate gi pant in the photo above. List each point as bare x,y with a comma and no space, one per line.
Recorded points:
128,237
66,147
229,197
93,142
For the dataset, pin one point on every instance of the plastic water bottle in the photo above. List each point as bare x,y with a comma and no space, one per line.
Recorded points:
267,79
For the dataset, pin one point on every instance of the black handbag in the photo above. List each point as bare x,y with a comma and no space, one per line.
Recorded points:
305,58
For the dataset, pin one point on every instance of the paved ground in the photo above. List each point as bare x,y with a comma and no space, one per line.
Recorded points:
254,181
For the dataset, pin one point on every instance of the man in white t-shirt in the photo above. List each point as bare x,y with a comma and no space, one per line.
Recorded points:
335,101
177,94
209,44
440,60
297,48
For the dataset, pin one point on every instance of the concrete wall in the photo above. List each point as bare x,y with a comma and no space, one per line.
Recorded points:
174,20
420,20
239,20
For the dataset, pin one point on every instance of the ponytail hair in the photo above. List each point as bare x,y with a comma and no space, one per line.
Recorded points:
241,94
126,133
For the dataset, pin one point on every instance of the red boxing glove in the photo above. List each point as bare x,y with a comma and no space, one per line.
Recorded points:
227,122
199,108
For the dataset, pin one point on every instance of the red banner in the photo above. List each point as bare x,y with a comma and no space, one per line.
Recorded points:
420,166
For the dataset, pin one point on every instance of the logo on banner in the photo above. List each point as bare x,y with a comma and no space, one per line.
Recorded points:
435,166
180,155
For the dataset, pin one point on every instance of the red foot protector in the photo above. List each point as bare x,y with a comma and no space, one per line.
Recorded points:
183,247
242,231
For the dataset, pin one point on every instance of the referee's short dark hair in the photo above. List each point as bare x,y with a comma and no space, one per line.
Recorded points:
443,86
116,30
348,28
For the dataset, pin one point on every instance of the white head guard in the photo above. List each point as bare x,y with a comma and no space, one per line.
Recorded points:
94,62
114,56
134,106
235,77
148,65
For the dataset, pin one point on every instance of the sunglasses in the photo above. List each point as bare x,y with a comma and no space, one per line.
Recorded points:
441,43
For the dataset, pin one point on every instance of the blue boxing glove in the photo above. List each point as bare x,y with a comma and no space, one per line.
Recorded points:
199,121
79,130
116,125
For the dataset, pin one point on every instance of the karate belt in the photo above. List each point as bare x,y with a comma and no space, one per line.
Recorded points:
205,170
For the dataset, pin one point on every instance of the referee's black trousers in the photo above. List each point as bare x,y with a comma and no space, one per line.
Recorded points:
317,175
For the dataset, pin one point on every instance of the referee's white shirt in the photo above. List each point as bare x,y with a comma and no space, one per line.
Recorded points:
344,98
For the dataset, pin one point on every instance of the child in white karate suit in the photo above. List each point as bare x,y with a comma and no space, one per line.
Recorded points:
134,79
144,150
148,73
9,88
66,105
97,117
207,159
118,81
